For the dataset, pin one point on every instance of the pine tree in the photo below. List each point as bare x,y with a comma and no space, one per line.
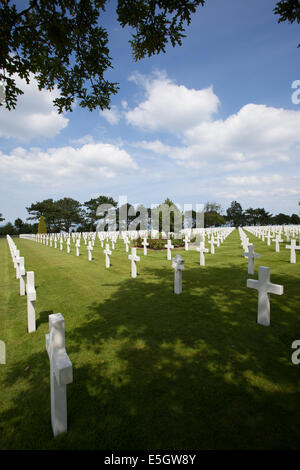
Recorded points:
42,225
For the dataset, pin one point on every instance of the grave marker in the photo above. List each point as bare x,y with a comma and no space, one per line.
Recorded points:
178,265
31,298
264,288
61,372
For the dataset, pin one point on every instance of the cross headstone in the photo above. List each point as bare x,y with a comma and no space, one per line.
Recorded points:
212,245
134,258
61,373
17,264
251,256
145,244
169,247
202,251
90,249
68,245
126,241
186,243
107,255
22,275
277,240
31,298
55,242
264,288
77,247
178,265
293,249
268,236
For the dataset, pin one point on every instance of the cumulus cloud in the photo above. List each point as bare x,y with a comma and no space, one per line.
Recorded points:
111,115
254,137
66,164
171,107
34,115
255,132
254,180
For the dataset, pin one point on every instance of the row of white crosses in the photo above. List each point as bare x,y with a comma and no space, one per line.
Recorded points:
263,285
28,288
61,369
292,247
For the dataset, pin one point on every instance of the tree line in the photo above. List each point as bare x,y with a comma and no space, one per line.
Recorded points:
67,214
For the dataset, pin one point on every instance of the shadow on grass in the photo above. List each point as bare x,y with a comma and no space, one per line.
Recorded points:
43,317
154,370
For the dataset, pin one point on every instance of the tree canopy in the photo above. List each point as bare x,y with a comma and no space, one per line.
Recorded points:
62,43
288,10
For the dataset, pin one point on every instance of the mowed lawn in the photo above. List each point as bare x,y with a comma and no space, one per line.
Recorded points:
152,370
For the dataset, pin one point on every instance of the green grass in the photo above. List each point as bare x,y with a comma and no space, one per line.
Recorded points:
152,370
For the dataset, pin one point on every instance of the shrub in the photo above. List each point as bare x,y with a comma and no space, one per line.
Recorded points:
159,243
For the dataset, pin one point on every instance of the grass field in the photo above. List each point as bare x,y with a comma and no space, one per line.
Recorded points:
152,370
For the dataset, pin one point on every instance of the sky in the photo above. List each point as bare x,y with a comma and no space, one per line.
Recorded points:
215,119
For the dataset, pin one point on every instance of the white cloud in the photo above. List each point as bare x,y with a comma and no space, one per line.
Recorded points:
111,115
34,115
155,146
255,137
66,164
170,107
254,180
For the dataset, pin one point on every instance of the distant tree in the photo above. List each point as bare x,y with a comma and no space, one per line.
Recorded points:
212,215
69,213
19,224
295,219
42,226
8,229
49,210
90,209
1,218
235,214
168,214
264,217
61,43
281,219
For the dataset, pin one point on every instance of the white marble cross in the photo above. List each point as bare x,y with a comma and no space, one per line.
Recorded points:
126,241
169,247
68,245
178,265
55,242
145,244
17,257
61,373
264,288
186,243
61,244
31,298
134,258
268,236
212,245
107,255
90,249
277,240
77,247
293,249
251,256
202,251
22,275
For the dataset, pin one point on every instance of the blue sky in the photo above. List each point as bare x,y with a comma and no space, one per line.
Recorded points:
212,120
